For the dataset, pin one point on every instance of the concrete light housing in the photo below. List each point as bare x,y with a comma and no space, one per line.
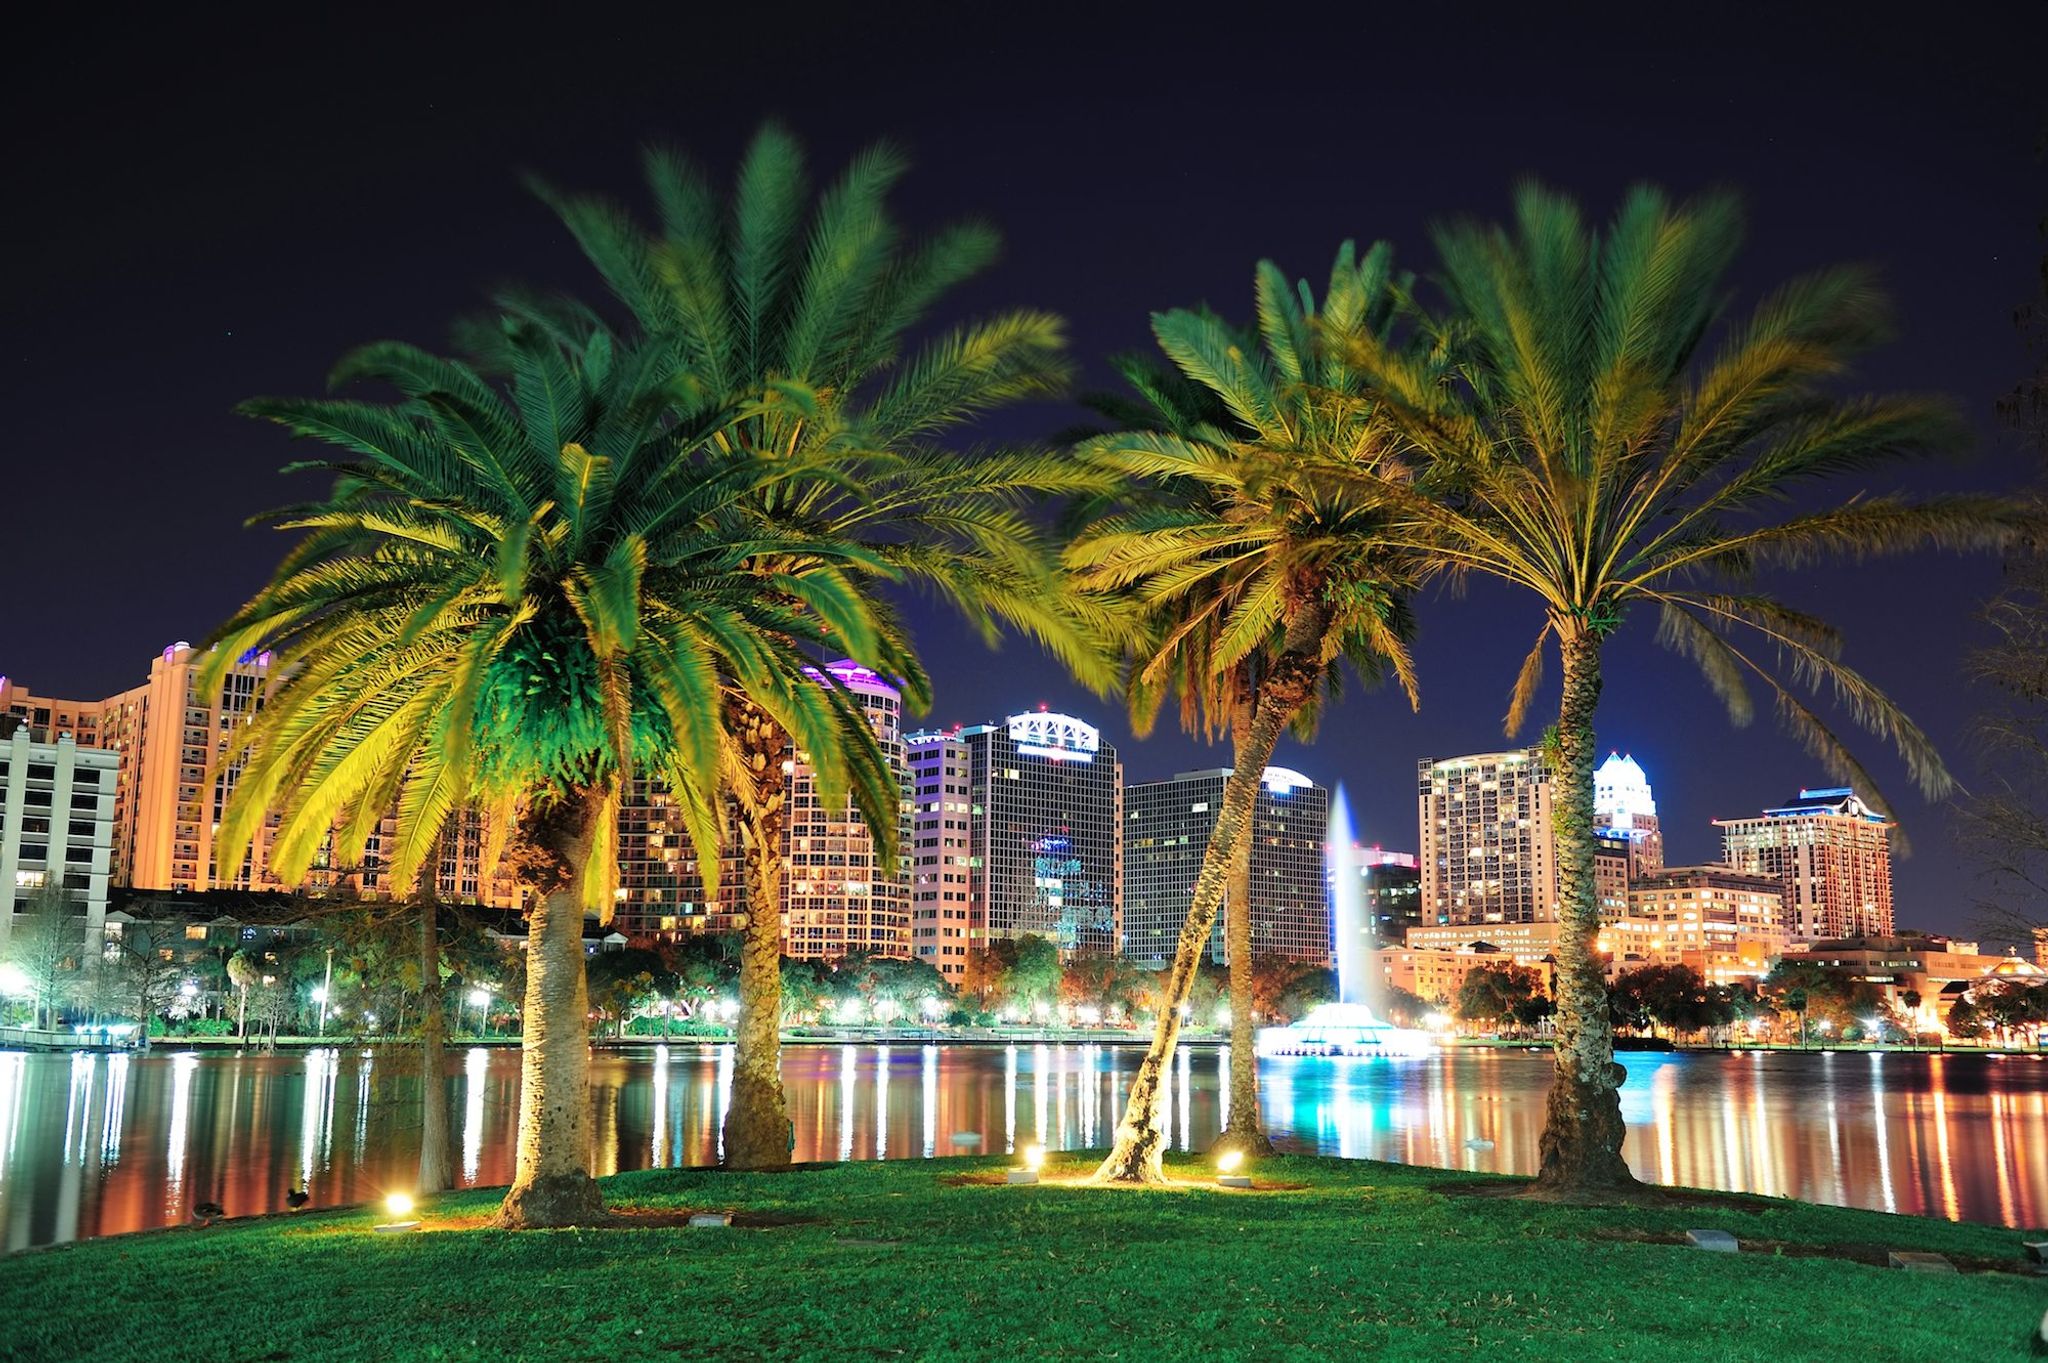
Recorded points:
1034,1160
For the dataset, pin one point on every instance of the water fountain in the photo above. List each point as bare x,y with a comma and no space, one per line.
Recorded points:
1348,1027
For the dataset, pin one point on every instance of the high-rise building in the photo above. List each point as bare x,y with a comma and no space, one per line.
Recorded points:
1487,839
661,886
1613,862
172,784
1833,855
837,897
948,920
1167,826
1625,810
56,825
1393,893
47,719
2041,947
1044,798
179,779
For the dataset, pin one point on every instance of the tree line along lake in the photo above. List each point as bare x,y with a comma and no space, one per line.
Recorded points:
102,1144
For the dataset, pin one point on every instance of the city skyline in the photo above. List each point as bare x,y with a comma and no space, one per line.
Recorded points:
232,312
659,895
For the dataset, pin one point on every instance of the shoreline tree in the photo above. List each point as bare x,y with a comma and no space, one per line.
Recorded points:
1600,433
797,306
1259,568
514,596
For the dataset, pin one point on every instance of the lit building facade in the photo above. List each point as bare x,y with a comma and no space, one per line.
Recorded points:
1626,812
1725,924
47,719
1488,851
947,919
1436,974
56,825
1832,854
837,896
1613,859
1045,831
1530,944
1167,827
179,779
1393,892
169,744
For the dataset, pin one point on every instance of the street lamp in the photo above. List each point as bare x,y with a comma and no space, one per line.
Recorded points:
480,999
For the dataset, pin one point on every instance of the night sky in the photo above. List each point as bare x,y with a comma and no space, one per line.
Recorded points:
200,215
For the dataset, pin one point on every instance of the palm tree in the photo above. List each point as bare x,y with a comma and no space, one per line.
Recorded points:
516,596
1259,567
1587,444
807,299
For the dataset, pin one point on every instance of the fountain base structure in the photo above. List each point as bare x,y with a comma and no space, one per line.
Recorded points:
1343,1029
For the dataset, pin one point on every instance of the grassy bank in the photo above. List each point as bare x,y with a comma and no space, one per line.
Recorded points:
939,1260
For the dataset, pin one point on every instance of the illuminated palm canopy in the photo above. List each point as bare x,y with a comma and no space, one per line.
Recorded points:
521,593
1254,549
1595,431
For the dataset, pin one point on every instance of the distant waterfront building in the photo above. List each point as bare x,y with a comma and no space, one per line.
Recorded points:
1393,892
1167,826
1833,855
56,825
1724,923
837,897
177,787
947,920
1613,858
1529,944
661,886
2041,947
1045,830
1488,853
1936,969
1626,811
47,719
169,743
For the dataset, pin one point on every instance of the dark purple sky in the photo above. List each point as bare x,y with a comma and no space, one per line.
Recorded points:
201,215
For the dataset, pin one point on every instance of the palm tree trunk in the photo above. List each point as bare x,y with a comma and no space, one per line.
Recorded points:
1140,1137
551,1183
1245,1131
757,1123
1580,1149
433,1176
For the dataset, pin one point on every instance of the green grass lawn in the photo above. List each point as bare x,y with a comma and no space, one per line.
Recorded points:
919,1260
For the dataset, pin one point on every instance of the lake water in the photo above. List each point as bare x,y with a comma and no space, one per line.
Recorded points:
97,1144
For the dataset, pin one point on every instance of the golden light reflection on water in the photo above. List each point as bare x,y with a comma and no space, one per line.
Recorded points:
98,1144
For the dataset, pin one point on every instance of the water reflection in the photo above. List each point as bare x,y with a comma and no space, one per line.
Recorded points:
97,1144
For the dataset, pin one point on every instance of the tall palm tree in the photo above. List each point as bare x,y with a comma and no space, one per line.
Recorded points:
1260,567
800,304
1213,700
516,597
1601,435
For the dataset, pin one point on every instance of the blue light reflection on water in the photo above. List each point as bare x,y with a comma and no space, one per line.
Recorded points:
92,1145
